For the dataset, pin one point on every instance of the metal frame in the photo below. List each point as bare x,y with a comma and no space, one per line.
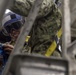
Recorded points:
66,29
35,65
68,47
66,43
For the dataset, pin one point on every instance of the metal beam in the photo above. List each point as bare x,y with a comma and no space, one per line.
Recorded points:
25,31
71,51
66,39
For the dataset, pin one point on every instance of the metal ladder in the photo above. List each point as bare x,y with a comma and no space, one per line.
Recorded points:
24,64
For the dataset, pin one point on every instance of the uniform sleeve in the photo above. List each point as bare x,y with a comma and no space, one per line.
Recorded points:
44,31
23,7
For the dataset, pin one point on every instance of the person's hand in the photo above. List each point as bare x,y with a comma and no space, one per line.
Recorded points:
8,48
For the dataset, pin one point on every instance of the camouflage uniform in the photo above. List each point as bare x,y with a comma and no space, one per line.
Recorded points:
45,26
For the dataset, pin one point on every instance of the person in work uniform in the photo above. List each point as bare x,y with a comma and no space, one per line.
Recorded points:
11,26
45,27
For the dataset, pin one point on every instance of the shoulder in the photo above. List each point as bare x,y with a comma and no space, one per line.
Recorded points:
23,7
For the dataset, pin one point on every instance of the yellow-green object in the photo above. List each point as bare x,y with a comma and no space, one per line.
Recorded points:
27,38
53,46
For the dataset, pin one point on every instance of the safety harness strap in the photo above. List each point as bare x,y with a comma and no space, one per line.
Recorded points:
53,46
